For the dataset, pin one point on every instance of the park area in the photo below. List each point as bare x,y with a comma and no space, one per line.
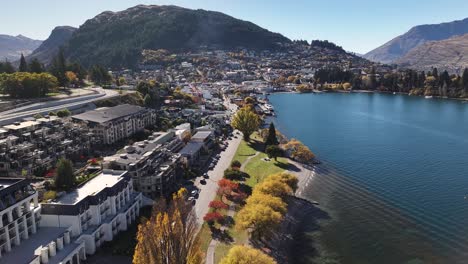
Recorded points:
218,234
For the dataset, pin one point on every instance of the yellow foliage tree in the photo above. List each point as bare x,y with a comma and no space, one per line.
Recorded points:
275,188
298,151
246,121
169,236
246,255
287,178
259,218
271,201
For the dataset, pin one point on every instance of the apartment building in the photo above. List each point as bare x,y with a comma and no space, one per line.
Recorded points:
112,124
32,147
153,164
22,239
96,211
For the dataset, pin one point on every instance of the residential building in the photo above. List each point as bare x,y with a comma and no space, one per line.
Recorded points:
22,239
153,164
96,211
112,124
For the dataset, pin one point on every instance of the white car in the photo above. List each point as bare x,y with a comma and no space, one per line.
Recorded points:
194,192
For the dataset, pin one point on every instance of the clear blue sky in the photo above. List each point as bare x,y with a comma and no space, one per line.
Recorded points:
357,25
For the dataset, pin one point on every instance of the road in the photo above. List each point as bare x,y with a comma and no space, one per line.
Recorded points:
208,191
45,107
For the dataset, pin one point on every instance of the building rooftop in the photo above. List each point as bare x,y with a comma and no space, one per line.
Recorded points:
22,125
25,252
201,135
107,114
107,178
191,148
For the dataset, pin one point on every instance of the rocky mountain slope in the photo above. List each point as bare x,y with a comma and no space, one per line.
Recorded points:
401,45
49,48
450,54
117,39
11,47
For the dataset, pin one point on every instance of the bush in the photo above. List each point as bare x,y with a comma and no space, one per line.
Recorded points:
235,164
49,195
63,113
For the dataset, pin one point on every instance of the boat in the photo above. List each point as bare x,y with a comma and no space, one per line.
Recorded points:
394,92
428,96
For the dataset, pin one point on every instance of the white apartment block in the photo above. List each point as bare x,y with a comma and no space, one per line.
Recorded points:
22,239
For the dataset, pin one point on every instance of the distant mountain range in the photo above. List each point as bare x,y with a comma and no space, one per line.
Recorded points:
449,54
117,39
400,46
11,47
49,48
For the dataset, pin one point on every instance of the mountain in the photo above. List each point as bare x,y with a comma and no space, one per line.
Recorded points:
449,54
11,47
49,48
401,45
116,39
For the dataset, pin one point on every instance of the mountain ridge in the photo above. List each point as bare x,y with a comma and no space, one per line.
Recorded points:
416,36
11,47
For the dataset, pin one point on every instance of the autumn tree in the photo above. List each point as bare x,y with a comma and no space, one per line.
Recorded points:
246,121
297,150
259,218
169,236
243,254
275,203
275,188
226,187
274,151
249,100
216,205
71,77
285,177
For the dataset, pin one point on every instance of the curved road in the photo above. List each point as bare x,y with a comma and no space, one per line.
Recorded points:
55,105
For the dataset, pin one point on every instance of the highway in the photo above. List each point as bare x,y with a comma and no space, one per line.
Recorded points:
18,114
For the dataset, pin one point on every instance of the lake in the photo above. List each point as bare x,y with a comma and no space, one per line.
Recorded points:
393,179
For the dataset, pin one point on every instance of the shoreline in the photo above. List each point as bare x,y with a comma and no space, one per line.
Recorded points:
463,100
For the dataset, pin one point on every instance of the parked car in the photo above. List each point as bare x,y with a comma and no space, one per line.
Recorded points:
206,176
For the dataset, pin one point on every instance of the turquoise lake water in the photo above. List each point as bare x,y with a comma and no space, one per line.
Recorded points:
393,180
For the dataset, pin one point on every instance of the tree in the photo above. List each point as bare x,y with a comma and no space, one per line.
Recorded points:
271,139
275,203
227,187
249,100
63,113
27,85
465,80
99,75
275,188
6,67
71,77
58,68
303,88
169,236
296,150
23,67
235,164
259,218
243,254
65,178
246,121
148,101
274,152
210,218
35,66
216,205
287,178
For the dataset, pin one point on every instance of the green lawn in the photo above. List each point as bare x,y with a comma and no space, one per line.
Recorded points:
258,169
244,151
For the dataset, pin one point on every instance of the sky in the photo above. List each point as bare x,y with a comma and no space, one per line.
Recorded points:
356,25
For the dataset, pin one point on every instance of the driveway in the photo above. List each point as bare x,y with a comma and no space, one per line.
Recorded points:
208,191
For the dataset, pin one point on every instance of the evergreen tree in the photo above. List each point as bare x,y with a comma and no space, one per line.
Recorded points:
271,139
23,67
35,66
65,177
148,101
6,67
59,68
464,81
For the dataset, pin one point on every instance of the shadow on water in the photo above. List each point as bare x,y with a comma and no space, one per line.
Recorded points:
282,244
